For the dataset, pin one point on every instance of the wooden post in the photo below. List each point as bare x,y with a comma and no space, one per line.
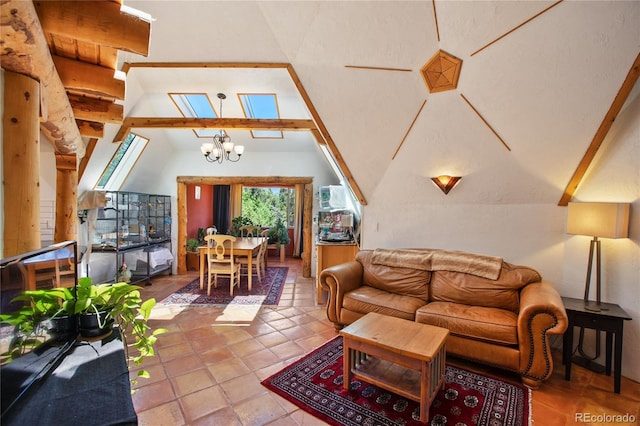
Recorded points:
307,238
66,198
182,229
21,164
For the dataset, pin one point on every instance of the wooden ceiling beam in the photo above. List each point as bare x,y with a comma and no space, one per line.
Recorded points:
601,133
326,137
91,145
96,22
91,129
25,51
93,109
87,79
211,123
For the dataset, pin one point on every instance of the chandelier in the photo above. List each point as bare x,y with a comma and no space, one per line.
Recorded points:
221,147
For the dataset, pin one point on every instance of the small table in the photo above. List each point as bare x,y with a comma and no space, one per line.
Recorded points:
90,386
375,345
245,246
610,320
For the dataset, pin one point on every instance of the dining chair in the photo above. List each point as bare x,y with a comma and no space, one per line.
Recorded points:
257,262
220,261
250,231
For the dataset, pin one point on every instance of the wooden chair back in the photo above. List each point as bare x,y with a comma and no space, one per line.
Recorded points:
216,249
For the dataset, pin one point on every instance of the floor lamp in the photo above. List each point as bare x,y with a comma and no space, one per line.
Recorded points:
597,220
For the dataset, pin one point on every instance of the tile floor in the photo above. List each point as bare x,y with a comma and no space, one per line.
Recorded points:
209,365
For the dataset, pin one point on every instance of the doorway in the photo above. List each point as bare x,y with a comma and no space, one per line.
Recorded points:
307,183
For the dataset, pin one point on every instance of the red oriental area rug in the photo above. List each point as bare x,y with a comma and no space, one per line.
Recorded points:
314,383
267,292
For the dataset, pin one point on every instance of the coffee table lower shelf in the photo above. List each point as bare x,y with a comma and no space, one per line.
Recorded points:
390,376
414,375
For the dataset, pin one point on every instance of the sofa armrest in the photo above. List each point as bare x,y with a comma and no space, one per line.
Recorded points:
541,313
339,280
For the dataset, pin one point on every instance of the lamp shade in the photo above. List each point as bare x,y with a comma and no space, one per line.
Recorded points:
603,220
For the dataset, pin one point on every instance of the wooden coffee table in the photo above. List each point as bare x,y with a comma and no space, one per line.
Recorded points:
402,356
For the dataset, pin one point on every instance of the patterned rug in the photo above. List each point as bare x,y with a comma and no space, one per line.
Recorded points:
266,293
314,383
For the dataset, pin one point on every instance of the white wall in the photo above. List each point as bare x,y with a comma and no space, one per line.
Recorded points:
404,212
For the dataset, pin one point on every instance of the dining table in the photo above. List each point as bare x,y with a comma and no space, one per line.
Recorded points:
242,246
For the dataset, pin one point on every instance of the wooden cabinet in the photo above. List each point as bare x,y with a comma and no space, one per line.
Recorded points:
330,254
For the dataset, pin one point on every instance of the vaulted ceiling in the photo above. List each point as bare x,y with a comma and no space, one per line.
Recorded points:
536,88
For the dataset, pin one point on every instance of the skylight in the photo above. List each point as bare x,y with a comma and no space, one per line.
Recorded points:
196,105
261,105
122,162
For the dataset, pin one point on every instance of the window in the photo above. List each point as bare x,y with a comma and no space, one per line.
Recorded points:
196,105
265,205
261,105
122,162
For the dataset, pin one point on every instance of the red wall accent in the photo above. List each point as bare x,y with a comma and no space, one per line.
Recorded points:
199,212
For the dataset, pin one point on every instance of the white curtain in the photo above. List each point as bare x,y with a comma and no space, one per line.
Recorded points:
297,230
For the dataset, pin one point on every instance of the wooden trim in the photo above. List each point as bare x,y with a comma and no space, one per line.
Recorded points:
408,130
211,123
91,145
435,18
362,67
601,133
327,138
128,65
485,122
244,180
519,26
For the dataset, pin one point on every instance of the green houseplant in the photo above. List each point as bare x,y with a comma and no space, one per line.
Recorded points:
107,303
192,255
35,321
278,234
238,222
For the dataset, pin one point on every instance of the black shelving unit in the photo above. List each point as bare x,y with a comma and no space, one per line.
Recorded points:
136,228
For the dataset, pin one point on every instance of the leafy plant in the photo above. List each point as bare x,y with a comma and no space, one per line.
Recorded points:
237,223
30,322
202,232
193,244
121,300
126,307
278,234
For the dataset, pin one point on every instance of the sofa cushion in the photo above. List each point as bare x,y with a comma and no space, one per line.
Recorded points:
367,299
403,281
469,289
474,322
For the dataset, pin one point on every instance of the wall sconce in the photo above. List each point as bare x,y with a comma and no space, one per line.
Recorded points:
445,182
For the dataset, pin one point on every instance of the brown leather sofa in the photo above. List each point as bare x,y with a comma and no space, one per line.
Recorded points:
497,313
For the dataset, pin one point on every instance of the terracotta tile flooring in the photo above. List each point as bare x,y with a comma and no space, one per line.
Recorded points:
209,365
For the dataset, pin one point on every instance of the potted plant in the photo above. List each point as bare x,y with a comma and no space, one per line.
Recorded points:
237,223
102,305
278,237
39,319
193,257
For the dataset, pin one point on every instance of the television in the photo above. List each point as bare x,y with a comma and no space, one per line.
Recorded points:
49,267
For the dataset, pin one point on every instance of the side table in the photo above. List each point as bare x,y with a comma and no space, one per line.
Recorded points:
610,320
